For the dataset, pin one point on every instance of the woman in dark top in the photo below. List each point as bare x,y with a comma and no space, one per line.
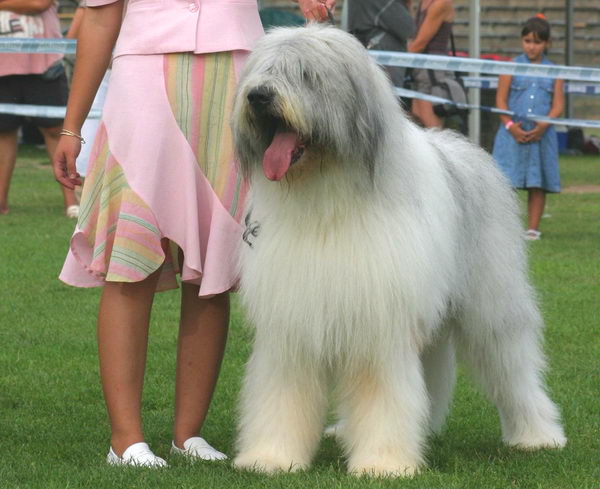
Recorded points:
434,25
386,25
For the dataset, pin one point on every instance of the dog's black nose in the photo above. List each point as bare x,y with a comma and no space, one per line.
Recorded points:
260,96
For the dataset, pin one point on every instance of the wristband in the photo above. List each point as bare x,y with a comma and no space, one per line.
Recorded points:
509,124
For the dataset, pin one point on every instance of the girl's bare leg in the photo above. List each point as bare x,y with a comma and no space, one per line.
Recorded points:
123,322
536,202
202,336
8,158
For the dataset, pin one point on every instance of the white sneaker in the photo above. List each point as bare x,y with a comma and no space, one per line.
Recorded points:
138,454
72,212
197,448
533,235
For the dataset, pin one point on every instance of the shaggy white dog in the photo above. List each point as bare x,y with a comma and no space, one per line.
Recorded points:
374,249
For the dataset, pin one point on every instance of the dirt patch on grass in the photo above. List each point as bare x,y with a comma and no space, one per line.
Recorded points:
582,189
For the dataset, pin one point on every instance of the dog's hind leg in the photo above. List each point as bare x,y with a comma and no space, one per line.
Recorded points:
384,405
439,368
501,344
282,412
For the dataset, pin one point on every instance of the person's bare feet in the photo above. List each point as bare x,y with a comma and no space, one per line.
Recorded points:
4,211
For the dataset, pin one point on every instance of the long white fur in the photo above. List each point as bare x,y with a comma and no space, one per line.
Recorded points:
364,274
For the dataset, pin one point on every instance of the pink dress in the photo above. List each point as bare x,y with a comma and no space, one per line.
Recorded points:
163,169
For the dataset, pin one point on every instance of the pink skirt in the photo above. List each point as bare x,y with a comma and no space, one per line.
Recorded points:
162,167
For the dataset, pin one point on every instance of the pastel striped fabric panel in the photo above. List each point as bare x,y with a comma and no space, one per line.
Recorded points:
201,89
119,226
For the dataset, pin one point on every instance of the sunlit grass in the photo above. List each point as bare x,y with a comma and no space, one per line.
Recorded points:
53,427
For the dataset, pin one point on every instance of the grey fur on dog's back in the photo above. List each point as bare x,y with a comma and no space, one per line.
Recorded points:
381,250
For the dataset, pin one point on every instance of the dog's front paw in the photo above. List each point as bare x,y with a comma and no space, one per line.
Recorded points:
538,441
267,464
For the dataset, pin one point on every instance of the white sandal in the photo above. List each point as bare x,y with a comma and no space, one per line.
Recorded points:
197,448
533,235
137,455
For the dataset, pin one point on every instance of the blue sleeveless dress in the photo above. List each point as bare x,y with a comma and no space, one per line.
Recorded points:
535,164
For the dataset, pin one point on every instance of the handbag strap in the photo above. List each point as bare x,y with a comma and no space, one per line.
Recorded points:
456,74
432,79
430,72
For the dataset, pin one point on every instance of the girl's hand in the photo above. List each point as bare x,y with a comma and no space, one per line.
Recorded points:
63,162
537,132
518,133
316,9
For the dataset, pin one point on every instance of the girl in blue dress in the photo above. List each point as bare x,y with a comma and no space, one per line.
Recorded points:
527,151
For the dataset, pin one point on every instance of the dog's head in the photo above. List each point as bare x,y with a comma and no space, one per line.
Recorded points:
306,94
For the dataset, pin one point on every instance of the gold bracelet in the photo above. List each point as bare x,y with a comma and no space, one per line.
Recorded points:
66,132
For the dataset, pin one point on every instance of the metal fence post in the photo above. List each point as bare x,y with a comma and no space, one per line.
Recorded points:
474,52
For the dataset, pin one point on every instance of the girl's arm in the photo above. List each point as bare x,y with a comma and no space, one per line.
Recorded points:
558,105
558,99
26,7
97,36
439,12
502,96
75,24
502,103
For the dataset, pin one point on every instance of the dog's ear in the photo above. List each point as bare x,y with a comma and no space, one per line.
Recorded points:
245,133
368,127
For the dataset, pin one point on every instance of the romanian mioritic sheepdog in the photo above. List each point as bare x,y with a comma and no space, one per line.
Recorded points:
373,250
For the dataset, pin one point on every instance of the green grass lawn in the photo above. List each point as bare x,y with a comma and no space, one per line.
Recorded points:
53,426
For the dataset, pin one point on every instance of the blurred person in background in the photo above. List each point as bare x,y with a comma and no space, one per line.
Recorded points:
385,25
526,150
30,78
434,26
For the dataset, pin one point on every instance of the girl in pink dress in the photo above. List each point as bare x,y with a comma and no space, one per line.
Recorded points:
162,195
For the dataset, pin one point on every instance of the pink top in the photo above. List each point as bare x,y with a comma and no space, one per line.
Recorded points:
199,26
44,25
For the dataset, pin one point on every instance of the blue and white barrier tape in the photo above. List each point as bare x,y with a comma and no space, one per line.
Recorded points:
471,65
486,82
45,111
403,92
38,46
56,112
389,58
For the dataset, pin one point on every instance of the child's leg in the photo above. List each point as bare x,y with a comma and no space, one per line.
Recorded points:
122,341
202,336
535,206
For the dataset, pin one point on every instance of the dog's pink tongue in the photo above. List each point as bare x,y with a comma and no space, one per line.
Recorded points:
278,157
